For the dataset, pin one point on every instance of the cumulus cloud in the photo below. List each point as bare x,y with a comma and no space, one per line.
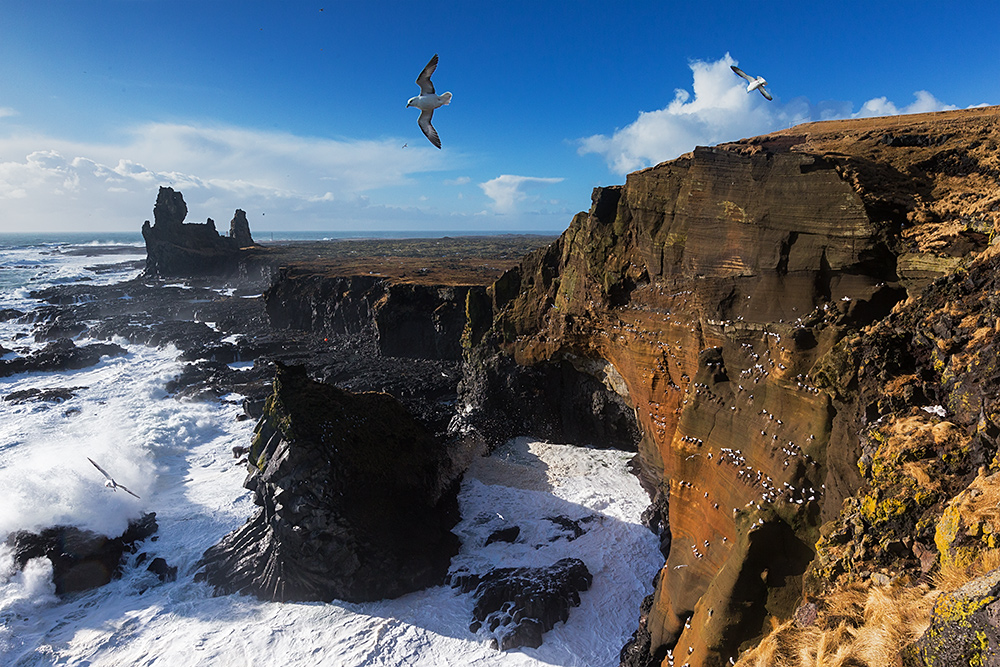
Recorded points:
721,110
59,183
881,106
508,191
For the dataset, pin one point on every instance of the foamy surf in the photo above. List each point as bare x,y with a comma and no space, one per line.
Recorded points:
177,455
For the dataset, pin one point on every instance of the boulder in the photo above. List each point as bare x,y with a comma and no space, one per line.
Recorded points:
964,629
81,559
516,606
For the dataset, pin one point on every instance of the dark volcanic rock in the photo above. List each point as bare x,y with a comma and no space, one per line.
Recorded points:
965,627
356,500
239,229
50,395
174,248
517,605
60,355
81,559
409,320
161,569
508,535
551,400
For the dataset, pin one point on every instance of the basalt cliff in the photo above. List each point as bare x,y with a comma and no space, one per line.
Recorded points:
797,332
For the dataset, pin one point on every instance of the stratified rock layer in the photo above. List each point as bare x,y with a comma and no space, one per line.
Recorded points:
356,500
404,319
706,293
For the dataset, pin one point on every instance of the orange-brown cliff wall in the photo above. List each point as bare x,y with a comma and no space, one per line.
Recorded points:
703,292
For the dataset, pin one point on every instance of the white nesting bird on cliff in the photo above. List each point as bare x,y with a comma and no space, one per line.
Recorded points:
754,83
427,101
110,482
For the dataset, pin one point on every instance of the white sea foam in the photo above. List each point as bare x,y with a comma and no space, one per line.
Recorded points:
177,455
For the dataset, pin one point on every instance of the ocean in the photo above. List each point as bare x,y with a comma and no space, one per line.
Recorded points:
177,456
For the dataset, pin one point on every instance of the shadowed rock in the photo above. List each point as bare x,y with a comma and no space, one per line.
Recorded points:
60,355
355,500
176,248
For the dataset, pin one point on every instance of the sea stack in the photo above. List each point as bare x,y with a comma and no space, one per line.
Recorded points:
355,500
176,248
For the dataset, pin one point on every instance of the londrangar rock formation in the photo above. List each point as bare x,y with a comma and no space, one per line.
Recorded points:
712,295
176,248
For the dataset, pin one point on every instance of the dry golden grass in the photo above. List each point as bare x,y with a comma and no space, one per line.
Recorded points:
858,627
954,574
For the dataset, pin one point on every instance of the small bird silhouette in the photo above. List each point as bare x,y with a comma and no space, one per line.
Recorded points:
427,101
110,482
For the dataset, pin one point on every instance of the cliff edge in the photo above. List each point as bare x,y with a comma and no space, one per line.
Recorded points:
743,311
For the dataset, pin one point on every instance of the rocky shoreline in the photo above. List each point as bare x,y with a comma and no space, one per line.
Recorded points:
795,333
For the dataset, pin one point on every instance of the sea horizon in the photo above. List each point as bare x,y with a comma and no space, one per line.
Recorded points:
9,239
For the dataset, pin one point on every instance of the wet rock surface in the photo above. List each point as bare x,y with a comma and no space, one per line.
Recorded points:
81,559
516,606
59,355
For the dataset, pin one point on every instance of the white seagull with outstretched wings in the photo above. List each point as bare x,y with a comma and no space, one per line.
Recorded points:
427,101
110,482
755,83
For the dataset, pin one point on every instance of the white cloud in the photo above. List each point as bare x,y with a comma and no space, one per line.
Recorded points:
881,106
461,180
721,110
60,184
508,191
7,111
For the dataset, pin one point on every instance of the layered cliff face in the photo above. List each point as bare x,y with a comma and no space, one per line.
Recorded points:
710,294
404,319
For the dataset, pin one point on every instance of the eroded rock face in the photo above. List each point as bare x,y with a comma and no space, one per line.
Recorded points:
355,500
239,229
81,559
404,319
710,292
176,248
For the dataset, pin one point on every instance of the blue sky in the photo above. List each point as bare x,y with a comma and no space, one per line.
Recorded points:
295,111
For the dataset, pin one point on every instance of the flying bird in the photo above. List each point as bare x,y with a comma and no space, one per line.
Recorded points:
757,83
110,482
427,101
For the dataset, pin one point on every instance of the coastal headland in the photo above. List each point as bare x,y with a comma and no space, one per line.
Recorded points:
796,334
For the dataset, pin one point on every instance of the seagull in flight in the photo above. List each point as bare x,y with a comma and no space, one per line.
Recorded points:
757,83
110,482
427,101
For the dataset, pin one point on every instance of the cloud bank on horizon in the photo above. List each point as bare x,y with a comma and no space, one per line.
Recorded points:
721,110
